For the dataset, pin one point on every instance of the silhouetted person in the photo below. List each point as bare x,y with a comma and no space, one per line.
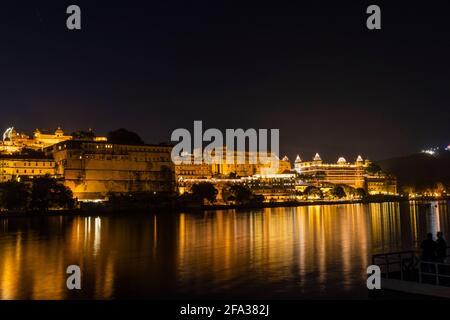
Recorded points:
441,247
428,247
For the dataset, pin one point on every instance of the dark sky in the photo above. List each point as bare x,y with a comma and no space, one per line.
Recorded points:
310,68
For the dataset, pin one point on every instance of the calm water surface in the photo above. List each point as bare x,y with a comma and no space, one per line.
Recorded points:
315,252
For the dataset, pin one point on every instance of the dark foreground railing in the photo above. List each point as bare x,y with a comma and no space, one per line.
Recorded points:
434,273
407,266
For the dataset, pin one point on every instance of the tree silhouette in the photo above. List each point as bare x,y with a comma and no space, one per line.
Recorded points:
373,168
123,136
83,135
241,194
204,190
338,192
47,193
360,192
14,195
313,191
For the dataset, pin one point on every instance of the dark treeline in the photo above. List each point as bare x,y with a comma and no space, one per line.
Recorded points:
234,194
201,194
419,173
38,194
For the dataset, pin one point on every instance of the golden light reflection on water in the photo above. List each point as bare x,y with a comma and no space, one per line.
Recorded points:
33,264
270,243
314,251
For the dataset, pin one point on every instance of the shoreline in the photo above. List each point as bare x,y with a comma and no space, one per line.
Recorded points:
109,211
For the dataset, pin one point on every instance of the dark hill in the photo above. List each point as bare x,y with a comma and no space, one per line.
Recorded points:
419,170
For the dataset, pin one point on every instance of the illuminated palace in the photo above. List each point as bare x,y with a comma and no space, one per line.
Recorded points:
21,156
19,168
354,174
18,164
90,166
93,169
14,141
226,169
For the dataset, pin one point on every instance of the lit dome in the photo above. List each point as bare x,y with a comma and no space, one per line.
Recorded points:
359,159
297,160
317,157
341,160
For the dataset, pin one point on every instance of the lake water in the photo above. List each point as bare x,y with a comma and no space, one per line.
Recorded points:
313,252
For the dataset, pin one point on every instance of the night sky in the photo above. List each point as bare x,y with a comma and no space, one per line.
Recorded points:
310,68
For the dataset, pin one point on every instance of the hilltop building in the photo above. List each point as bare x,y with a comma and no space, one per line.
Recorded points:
14,141
46,138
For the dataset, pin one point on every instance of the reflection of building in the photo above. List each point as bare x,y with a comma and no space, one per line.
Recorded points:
352,174
14,168
93,169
